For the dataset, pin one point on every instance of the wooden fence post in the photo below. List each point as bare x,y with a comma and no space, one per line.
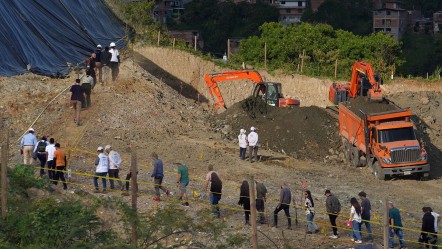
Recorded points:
173,43
228,48
265,55
302,60
386,225
158,41
336,68
134,190
195,42
5,151
254,237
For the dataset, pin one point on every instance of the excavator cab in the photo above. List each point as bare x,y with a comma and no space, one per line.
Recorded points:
271,93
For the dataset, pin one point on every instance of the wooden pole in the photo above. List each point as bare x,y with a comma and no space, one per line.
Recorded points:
386,225
5,151
265,55
195,42
254,238
302,60
173,43
134,189
336,68
228,48
158,41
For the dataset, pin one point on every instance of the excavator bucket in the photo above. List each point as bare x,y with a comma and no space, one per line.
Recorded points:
375,96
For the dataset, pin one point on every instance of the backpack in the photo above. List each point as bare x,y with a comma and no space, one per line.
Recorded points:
116,158
41,146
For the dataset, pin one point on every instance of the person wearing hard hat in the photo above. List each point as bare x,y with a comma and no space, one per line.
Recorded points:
242,142
98,64
27,145
114,61
102,163
252,138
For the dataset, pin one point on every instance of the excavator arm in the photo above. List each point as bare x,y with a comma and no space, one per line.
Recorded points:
364,68
213,79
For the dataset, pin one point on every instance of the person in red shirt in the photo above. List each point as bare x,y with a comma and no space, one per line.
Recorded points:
60,165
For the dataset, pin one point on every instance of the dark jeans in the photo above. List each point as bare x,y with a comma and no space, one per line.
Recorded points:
332,218
367,222
253,150
103,179
428,239
42,158
113,173
128,176
157,182
260,209
242,153
86,87
246,208
59,174
51,167
286,209
115,68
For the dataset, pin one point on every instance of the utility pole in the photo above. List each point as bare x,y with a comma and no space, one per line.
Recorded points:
228,48
5,151
386,225
134,189
253,213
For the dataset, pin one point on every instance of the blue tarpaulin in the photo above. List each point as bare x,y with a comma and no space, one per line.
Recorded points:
43,36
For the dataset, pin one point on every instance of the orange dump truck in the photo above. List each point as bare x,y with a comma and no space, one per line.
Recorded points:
386,140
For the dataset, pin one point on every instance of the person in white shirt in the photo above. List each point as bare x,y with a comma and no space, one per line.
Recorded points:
102,163
242,142
437,219
50,150
252,138
114,166
114,61
356,221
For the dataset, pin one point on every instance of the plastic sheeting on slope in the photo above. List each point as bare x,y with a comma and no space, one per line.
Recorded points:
45,35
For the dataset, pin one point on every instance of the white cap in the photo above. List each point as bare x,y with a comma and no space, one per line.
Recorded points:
252,128
112,44
99,148
98,46
31,129
107,147
242,131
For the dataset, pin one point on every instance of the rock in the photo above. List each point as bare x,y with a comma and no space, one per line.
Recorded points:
331,151
35,192
425,100
225,130
429,119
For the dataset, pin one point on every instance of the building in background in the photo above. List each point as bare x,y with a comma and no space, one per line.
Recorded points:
437,22
189,37
290,11
391,19
165,9
315,4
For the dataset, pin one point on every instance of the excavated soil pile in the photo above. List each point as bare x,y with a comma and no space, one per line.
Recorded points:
304,132
358,104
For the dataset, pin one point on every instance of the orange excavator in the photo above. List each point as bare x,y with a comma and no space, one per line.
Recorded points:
270,92
363,82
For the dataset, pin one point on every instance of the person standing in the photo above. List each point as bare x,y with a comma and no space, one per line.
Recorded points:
366,208
88,84
50,150
105,63
76,98
428,234
355,219
102,163
242,142
309,206
40,151
244,200
158,175
437,219
333,207
27,145
60,165
261,195
182,181
285,198
114,61
114,166
216,187
98,64
395,225
252,138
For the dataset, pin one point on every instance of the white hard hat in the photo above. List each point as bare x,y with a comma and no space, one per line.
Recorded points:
98,46
112,44
107,147
242,131
31,129
99,148
252,128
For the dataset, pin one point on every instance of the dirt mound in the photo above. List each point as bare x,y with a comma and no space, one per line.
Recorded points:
304,132
363,104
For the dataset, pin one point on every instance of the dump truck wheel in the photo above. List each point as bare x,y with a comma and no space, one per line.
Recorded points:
346,146
355,157
378,172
